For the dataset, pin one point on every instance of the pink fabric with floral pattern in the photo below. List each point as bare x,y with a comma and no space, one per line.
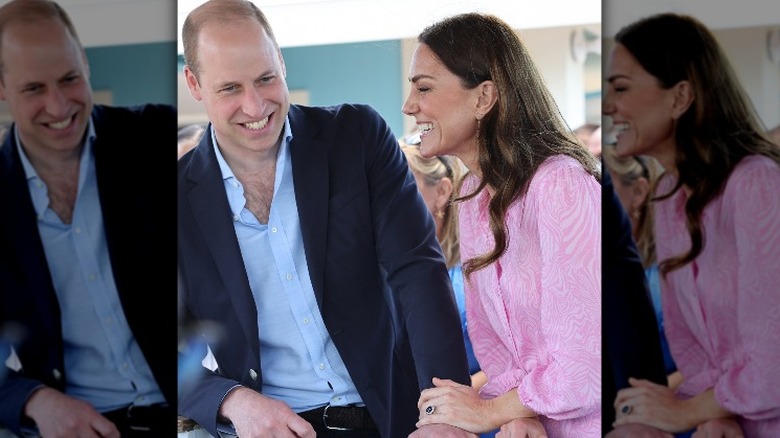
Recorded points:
722,311
534,317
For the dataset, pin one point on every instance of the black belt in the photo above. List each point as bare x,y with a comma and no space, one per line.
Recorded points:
152,420
340,418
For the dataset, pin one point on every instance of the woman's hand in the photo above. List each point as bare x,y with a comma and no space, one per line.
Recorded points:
449,402
651,404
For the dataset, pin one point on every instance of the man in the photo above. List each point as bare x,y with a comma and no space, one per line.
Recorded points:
86,233
303,237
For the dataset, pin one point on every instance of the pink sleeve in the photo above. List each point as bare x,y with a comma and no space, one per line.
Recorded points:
567,383
689,355
748,387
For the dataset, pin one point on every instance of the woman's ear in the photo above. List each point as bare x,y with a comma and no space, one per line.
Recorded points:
488,96
683,98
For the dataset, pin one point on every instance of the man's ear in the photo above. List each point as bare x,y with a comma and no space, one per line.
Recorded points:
683,98
192,83
488,96
281,61
86,62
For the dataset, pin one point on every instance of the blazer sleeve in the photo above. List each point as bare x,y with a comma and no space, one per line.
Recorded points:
408,250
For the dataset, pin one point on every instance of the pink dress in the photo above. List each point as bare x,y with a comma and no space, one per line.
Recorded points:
722,311
534,316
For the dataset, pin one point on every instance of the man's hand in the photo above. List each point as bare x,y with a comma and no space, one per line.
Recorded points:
441,431
522,428
719,428
637,431
257,416
60,416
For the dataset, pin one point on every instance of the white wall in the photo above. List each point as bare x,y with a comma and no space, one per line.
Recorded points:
117,22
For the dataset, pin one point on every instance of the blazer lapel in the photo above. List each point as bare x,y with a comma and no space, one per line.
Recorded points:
209,205
310,172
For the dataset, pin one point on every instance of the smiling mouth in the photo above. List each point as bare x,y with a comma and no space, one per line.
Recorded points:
619,128
258,125
425,128
61,124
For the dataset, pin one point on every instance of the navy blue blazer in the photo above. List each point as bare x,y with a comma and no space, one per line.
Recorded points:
134,160
631,344
376,267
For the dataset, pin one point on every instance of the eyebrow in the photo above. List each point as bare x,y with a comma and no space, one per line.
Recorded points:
416,78
266,73
40,83
615,77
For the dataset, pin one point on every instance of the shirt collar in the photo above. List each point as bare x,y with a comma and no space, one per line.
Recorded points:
29,170
227,173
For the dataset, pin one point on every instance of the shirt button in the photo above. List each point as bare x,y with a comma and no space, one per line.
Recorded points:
322,366
235,217
40,217
335,399
38,184
77,230
289,277
273,229
92,277
305,320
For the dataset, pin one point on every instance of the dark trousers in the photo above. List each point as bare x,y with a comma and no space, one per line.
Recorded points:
325,433
144,422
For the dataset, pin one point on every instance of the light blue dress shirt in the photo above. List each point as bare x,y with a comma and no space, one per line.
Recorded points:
104,365
300,363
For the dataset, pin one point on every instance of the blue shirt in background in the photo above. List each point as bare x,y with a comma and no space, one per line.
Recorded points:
654,283
456,277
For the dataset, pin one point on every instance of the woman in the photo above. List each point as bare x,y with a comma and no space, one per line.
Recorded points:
634,177
673,95
529,227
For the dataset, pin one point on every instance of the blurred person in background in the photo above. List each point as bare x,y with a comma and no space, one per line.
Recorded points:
188,137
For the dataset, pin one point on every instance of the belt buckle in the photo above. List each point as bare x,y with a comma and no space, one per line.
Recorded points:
325,420
131,422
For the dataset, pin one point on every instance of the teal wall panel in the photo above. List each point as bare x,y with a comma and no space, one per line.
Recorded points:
135,74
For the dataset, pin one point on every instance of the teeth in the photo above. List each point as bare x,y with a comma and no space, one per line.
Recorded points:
60,125
425,127
620,127
256,126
